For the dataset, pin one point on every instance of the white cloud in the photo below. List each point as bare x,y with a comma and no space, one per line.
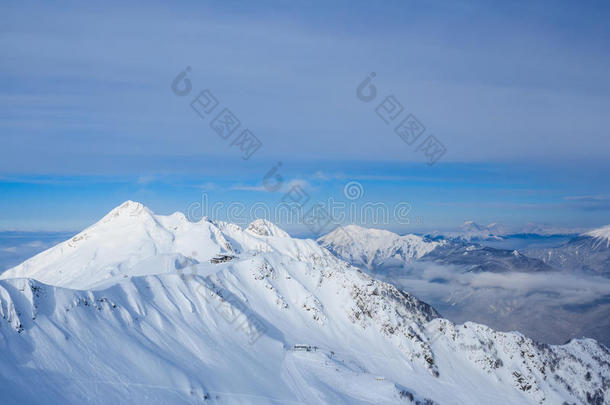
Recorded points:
207,186
304,184
244,187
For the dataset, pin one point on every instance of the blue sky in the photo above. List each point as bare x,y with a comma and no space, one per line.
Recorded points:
518,93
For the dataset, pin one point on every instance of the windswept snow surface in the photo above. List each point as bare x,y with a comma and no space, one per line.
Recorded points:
133,310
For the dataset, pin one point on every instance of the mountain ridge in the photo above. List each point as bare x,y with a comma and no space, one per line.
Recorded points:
193,330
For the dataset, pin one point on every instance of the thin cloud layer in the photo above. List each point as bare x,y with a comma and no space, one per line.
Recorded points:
550,307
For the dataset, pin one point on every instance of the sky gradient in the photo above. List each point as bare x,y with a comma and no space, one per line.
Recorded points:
518,94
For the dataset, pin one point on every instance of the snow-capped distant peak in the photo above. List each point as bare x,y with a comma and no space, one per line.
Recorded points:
373,248
548,230
263,227
471,225
602,233
472,230
359,233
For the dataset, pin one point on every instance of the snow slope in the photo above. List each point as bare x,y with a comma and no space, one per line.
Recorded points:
114,323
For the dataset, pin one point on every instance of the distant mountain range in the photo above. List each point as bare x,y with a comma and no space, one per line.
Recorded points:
470,231
589,252
468,280
379,250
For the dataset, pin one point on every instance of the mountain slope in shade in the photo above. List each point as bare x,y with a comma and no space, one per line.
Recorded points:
476,258
225,331
589,252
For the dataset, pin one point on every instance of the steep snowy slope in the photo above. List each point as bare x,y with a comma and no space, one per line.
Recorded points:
270,319
375,248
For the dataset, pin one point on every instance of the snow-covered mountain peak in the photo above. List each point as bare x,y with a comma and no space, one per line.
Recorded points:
132,241
470,224
360,234
129,241
600,233
128,209
549,230
263,227
374,248
470,230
